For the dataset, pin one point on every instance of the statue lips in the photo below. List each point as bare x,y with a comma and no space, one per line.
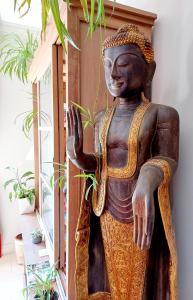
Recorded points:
116,85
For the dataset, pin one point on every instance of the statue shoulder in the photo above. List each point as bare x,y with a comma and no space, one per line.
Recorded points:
166,113
99,116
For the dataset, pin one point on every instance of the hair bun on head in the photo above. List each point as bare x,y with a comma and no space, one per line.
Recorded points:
130,34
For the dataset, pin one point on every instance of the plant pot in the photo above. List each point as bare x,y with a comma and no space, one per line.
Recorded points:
53,296
19,249
25,207
36,240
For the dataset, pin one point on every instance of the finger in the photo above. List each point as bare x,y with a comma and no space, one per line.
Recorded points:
145,228
150,225
71,121
74,116
140,231
144,235
68,122
150,231
135,231
79,120
144,242
75,122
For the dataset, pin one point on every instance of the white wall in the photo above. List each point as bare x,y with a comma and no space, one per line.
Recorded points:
172,85
173,43
14,99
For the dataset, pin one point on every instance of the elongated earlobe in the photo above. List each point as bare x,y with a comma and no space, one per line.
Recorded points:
147,86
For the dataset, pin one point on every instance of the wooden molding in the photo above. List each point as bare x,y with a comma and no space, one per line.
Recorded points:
121,11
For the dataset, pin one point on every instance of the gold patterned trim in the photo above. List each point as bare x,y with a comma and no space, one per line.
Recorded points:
100,296
165,209
130,168
81,249
128,171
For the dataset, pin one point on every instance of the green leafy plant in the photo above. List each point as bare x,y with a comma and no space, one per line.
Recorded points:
16,54
42,288
28,119
19,185
89,8
36,233
92,178
88,119
59,174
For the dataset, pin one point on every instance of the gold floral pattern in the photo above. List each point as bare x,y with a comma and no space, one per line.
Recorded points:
126,263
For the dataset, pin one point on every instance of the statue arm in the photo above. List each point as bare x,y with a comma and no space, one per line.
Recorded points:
165,146
83,161
166,141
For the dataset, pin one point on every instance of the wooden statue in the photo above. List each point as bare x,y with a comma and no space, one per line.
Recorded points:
125,243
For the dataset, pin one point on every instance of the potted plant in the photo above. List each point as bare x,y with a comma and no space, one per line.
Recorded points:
21,190
42,287
36,236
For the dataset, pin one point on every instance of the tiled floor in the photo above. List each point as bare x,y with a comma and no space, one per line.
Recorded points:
11,278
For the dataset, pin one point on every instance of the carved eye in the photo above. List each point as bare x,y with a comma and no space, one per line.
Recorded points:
123,62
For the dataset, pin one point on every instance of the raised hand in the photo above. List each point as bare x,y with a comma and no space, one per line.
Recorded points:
75,133
144,216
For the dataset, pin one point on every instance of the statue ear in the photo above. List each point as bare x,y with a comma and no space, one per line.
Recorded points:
150,74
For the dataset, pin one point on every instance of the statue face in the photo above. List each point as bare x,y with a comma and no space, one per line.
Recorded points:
126,70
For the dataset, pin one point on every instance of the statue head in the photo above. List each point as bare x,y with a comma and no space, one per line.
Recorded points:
129,62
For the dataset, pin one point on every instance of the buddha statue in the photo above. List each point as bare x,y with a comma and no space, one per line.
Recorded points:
125,242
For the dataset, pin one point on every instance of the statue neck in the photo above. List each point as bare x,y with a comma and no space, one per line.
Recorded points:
130,103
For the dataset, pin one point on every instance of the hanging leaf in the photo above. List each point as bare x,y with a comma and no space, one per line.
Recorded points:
61,28
85,9
10,196
27,174
92,178
8,182
53,6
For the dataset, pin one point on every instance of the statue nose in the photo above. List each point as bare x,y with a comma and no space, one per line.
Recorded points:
114,72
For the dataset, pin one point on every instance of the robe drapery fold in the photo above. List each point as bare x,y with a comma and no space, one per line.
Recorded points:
91,273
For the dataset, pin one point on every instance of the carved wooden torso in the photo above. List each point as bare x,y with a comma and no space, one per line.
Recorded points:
158,126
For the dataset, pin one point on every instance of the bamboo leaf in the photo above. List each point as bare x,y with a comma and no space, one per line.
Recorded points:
91,22
86,123
30,178
68,37
10,196
87,191
56,16
85,9
27,174
52,181
8,182
15,187
15,4
45,13
80,107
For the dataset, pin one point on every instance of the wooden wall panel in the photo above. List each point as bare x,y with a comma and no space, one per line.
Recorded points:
73,184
